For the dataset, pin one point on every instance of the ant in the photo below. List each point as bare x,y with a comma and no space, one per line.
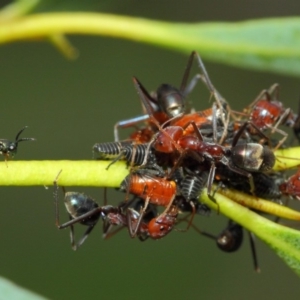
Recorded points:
157,227
153,189
230,240
86,211
266,185
81,208
291,187
119,218
8,148
170,103
266,112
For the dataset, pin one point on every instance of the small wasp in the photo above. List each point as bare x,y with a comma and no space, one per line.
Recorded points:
9,148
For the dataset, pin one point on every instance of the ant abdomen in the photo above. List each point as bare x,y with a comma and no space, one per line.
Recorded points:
78,204
231,238
170,100
253,157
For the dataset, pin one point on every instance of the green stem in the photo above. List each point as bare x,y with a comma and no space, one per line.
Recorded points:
92,173
74,173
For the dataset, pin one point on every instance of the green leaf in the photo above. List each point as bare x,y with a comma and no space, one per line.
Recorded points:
9,290
266,44
284,241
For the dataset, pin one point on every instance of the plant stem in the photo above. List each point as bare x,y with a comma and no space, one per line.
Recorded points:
74,173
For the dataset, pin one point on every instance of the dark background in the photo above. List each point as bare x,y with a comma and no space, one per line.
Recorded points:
71,105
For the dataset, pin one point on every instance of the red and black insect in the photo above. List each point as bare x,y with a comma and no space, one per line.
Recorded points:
145,184
239,158
291,187
267,112
169,103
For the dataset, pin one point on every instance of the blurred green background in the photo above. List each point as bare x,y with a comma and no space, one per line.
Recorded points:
70,105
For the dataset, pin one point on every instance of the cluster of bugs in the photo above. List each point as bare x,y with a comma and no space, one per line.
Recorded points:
175,152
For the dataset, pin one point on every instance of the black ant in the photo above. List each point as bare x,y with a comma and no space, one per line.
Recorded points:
230,240
81,208
86,211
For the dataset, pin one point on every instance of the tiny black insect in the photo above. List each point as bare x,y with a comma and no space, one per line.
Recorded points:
9,148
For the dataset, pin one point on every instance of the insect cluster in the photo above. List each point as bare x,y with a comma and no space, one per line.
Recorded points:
175,152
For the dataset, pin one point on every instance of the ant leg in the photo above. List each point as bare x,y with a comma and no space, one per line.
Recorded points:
72,236
168,207
146,99
186,75
243,173
274,90
128,123
263,93
239,133
79,219
210,180
55,195
204,233
205,78
82,239
280,143
107,234
253,251
190,222
191,84
243,128
222,104
133,230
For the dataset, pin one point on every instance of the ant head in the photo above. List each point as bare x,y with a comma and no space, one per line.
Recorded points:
158,229
163,224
